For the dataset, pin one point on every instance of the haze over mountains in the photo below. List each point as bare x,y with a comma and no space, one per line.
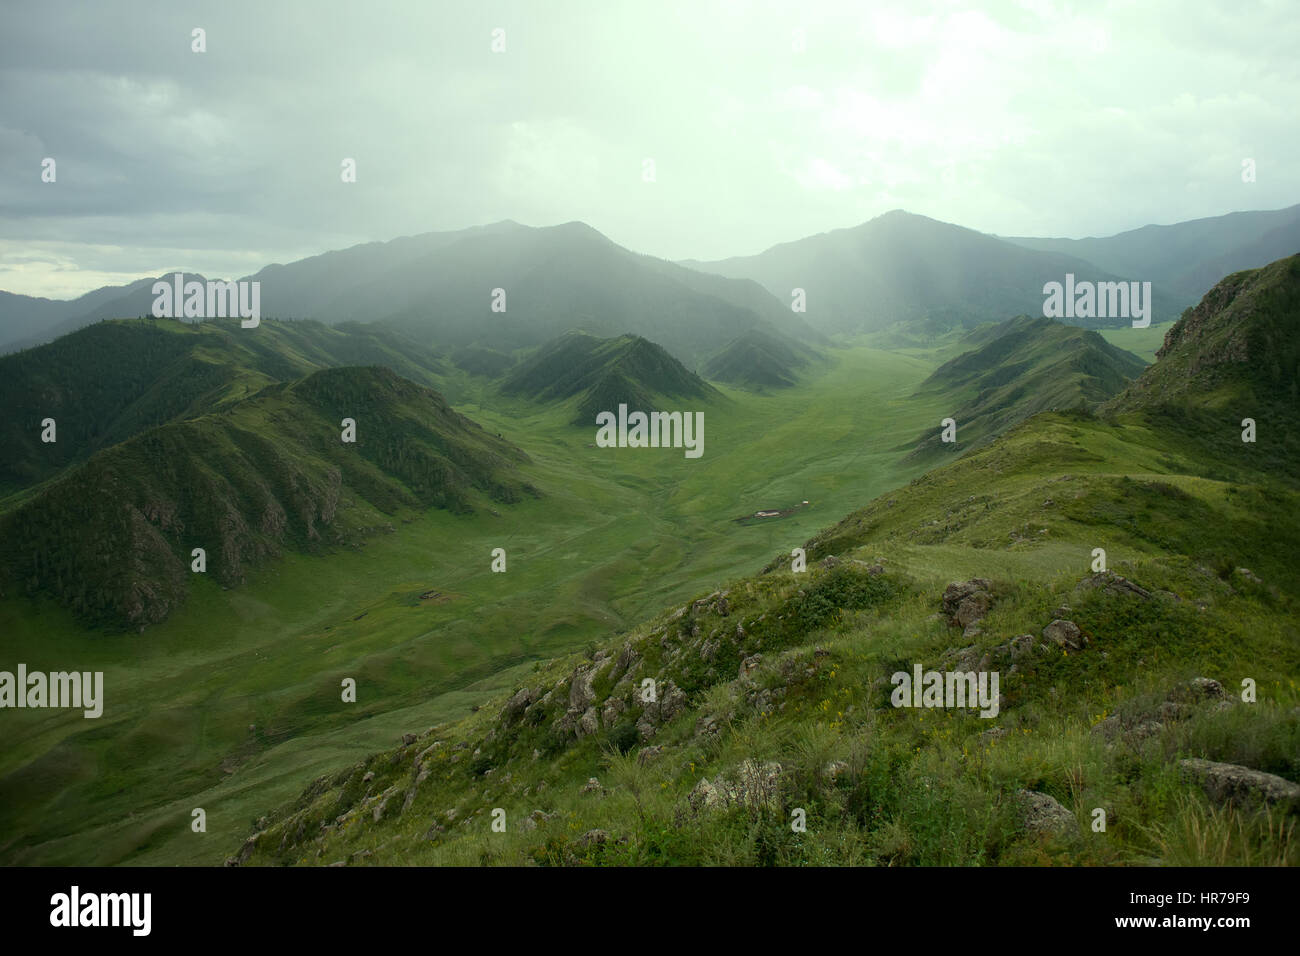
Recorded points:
775,688
437,287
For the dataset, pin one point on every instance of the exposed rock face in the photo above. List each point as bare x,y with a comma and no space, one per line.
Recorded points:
515,706
1112,583
1041,813
1065,635
1230,784
967,602
751,785
1182,701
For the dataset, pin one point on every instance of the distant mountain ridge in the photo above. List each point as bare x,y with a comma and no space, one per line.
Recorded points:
440,288
901,267
896,267
1188,258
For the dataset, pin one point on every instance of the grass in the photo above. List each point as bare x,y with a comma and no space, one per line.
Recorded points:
619,533
914,787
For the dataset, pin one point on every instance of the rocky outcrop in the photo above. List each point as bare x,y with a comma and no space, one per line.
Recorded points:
1136,724
967,602
1041,813
1229,784
1112,583
753,786
1065,635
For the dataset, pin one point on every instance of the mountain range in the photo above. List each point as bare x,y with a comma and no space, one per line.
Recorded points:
439,287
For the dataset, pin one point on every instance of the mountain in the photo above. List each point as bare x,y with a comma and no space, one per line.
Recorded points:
438,288
112,538
758,359
779,732
901,267
112,380
1188,258
599,374
1019,368
477,360
1236,355
24,317
26,322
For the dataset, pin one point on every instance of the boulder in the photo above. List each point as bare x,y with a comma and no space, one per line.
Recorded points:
593,838
1112,583
704,797
1228,783
1021,647
967,602
516,705
1041,813
1064,634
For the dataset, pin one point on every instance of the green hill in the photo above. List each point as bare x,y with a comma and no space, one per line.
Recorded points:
112,539
1019,368
759,359
1233,357
599,374
112,380
1158,697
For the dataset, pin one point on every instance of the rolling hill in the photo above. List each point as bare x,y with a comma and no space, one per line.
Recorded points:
598,375
1233,357
112,380
112,538
1019,368
759,359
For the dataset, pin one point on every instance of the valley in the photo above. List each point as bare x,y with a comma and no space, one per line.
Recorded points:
231,703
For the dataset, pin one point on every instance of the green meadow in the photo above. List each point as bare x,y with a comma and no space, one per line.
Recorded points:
233,704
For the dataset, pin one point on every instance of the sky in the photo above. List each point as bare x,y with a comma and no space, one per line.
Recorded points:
699,129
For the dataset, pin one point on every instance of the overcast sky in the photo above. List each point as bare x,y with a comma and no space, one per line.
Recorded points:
1030,118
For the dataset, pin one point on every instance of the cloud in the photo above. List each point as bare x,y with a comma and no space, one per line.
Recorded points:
1024,118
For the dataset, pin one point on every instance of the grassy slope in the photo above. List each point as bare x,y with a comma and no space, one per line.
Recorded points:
618,534
1141,342
112,537
112,380
1044,497
1017,369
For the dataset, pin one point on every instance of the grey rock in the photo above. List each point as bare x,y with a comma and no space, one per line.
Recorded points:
1064,634
516,705
1041,813
1227,783
1112,583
